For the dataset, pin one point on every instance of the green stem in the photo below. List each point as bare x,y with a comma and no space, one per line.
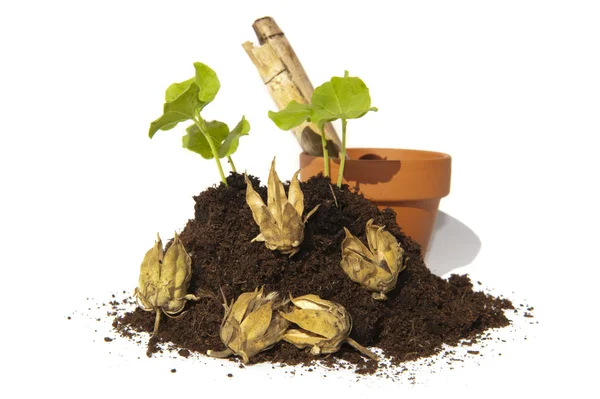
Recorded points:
231,163
200,123
343,155
325,153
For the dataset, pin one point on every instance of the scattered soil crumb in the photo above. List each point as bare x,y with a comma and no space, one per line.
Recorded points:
184,353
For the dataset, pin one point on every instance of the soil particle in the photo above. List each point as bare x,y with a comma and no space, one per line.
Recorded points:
422,313
184,353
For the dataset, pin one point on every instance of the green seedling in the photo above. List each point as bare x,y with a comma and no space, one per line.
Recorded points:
341,98
185,101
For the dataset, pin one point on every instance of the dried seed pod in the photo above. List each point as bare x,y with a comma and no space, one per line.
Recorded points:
249,325
164,280
375,268
324,326
280,222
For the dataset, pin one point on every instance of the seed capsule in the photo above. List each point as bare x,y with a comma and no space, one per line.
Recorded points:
164,280
375,268
249,325
280,222
324,326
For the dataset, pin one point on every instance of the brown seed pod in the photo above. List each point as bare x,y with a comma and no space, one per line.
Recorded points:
375,268
164,280
280,221
324,326
249,325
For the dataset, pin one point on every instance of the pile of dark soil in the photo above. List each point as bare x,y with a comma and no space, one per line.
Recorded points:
421,314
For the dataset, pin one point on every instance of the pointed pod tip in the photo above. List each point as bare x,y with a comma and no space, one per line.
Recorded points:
295,177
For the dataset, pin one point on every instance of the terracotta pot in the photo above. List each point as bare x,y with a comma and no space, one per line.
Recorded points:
411,182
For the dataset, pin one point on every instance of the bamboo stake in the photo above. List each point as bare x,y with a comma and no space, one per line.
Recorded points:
286,80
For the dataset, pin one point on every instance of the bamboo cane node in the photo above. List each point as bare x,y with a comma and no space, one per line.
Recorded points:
265,29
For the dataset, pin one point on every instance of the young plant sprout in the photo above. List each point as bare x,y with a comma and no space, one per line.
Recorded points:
185,101
164,280
375,268
341,98
323,326
249,325
280,222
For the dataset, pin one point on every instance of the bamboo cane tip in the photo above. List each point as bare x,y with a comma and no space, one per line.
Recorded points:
265,28
248,46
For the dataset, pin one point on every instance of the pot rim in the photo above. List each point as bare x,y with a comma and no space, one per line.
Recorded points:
402,175
423,155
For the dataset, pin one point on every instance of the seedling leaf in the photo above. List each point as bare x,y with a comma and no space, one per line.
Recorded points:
196,141
232,141
340,98
177,89
291,116
208,83
180,109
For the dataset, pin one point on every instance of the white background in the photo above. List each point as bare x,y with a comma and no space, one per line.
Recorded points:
510,89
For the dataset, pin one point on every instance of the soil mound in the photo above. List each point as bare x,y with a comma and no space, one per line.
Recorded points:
422,313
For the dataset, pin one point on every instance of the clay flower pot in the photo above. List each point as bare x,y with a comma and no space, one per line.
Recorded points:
411,182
